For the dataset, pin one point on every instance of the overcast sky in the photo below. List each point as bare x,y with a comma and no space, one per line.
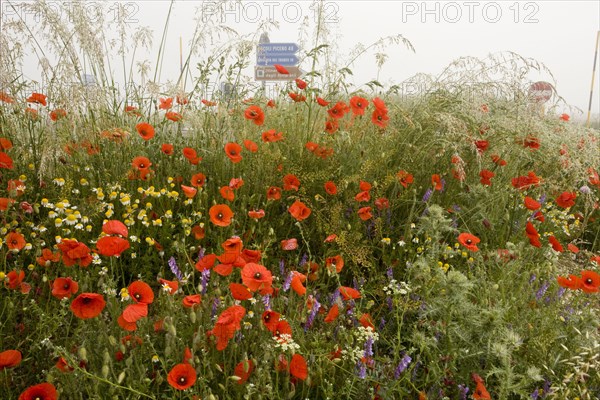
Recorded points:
559,34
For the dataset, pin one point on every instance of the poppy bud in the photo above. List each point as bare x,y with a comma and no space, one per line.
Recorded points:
106,358
112,340
121,377
82,353
192,316
105,370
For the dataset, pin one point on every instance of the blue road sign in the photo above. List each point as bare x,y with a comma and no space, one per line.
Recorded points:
289,59
275,49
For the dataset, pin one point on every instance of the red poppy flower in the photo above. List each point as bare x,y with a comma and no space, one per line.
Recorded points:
189,191
220,215
573,282
141,292
366,321
330,188
382,203
256,277
299,211
556,246
10,358
481,392
165,104
300,83
593,178
332,314
243,371
363,196
531,142
198,180
291,182
281,69
192,300
270,319
15,279
364,213
590,281
182,376
227,324
498,161
115,227
167,149
380,118
134,312
198,232
206,262
297,283
112,246
289,244
6,161
272,136
57,114
251,256
331,238
531,204
564,117
256,214
42,391
298,367
255,114
486,177
335,262
74,252
405,178
6,98
88,305
273,193
233,150
173,116
338,110
37,98
209,103
239,291
145,130
271,103
141,163
170,286
322,102
283,328
566,199
5,202
227,193
297,97
349,293
191,155
250,146
526,182
331,126
358,105
233,245
15,241
6,144
482,145
379,104
469,241
64,287
132,110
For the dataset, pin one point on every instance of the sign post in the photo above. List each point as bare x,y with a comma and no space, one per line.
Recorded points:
269,54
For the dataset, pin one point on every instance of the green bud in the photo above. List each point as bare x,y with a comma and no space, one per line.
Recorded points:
82,353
